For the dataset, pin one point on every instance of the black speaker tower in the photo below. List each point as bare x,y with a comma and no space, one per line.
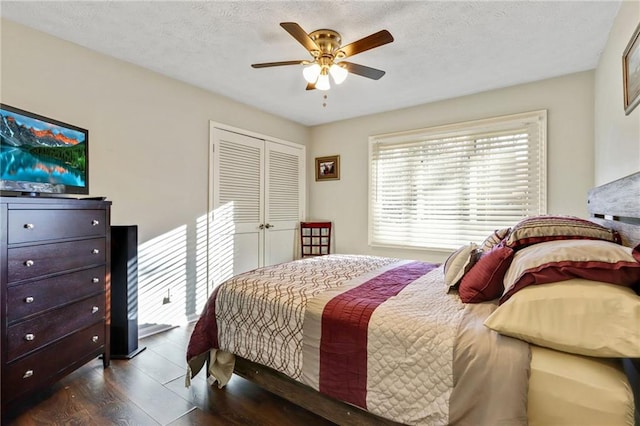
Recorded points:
124,292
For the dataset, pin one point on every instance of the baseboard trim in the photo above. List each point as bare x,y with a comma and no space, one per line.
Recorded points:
146,330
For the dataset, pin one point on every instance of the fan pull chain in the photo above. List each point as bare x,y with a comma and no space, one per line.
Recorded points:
324,104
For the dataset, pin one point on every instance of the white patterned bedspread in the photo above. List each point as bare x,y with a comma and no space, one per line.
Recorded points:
379,333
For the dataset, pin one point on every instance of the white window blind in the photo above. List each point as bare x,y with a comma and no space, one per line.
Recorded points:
446,186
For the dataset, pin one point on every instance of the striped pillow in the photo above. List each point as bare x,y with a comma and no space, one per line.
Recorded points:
556,261
494,239
539,229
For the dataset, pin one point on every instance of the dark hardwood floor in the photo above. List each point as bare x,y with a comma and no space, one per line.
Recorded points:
149,390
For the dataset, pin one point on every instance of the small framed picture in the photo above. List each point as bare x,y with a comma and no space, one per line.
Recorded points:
631,72
328,168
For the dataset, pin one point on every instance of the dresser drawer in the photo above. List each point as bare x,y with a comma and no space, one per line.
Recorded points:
36,296
34,370
40,225
32,262
32,334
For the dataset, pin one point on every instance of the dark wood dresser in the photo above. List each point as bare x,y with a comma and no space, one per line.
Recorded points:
54,290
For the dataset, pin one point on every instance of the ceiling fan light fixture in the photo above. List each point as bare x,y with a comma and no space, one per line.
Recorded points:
338,73
323,82
311,73
325,46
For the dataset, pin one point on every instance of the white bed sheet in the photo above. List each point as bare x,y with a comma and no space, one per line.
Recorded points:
588,391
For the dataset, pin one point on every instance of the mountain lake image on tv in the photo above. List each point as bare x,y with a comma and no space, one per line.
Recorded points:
41,155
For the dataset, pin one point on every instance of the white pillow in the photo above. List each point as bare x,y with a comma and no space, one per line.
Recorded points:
458,264
577,316
555,261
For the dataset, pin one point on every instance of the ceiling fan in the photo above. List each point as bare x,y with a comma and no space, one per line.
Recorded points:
325,46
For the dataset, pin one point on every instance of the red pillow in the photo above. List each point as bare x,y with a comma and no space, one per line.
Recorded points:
484,281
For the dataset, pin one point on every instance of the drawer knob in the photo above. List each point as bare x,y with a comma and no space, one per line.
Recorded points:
95,280
27,374
29,337
95,222
29,263
94,309
95,251
29,226
28,299
94,339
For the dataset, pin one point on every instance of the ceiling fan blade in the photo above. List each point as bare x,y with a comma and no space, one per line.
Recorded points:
311,86
362,70
374,40
277,64
299,34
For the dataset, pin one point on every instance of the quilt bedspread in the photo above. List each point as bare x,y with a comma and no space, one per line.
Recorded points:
379,333
259,315
386,344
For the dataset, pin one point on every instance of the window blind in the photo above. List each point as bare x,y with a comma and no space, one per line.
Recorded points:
446,186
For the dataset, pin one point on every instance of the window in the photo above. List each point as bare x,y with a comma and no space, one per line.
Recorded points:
443,187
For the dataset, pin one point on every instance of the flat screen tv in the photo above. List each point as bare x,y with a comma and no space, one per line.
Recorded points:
40,155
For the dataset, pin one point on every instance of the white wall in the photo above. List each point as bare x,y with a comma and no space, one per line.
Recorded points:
148,142
617,136
149,136
569,101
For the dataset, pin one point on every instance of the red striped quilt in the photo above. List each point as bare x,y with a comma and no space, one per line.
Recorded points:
376,332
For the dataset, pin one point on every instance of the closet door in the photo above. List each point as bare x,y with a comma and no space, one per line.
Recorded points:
283,201
258,199
236,236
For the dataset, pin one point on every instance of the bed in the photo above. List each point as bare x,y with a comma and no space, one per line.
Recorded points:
372,340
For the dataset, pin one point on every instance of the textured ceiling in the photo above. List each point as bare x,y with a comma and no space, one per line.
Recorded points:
441,50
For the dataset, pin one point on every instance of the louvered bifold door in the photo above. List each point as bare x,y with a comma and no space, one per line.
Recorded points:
236,237
283,201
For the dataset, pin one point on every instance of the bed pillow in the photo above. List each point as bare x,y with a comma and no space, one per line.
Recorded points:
484,281
459,263
537,229
566,259
577,316
494,239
